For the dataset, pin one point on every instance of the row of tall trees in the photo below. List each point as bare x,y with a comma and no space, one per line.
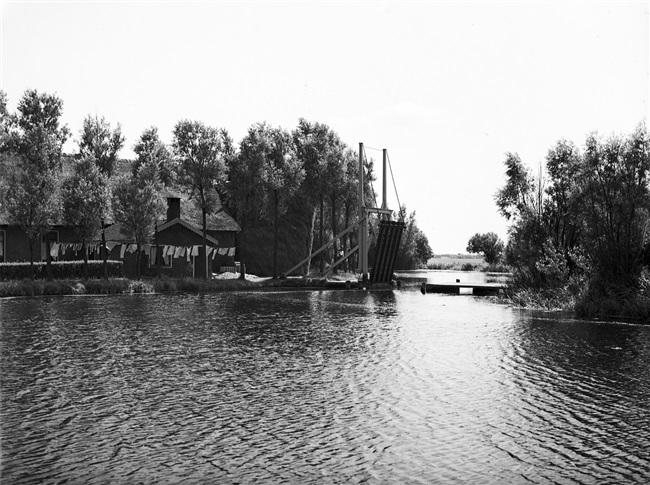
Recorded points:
584,215
303,182
32,143
309,177
38,189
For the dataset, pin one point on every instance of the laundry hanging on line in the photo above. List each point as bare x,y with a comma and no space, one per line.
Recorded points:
168,250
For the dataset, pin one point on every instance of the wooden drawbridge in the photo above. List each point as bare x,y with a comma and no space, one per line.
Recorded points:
388,239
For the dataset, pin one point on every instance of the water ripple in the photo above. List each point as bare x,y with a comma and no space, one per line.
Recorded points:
318,387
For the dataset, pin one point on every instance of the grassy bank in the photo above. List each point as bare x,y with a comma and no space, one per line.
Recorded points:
465,262
536,299
585,299
116,286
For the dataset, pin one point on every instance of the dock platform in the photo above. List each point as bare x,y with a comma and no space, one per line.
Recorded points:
478,289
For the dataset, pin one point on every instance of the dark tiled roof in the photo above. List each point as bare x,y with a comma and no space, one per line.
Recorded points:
114,233
189,226
222,221
215,222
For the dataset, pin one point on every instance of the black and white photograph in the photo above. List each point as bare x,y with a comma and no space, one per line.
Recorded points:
324,242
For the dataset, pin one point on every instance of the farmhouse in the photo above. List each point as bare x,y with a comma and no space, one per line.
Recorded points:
14,243
177,247
176,250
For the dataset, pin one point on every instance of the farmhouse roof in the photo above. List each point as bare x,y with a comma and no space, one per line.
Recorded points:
189,226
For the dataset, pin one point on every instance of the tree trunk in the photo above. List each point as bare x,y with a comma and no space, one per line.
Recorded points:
158,256
242,266
31,258
320,242
48,258
275,235
138,260
310,241
205,244
85,251
104,251
348,238
334,233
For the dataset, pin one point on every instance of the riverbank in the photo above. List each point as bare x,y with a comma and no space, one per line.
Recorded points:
632,309
625,304
119,286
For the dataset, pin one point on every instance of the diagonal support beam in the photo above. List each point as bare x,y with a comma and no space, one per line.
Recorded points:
346,256
321,249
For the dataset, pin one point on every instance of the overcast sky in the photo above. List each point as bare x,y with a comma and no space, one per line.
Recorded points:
447,87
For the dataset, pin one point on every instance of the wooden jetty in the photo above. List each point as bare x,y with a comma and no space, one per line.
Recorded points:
478,289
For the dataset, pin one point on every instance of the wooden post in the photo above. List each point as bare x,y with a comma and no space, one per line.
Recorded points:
360,264
383,180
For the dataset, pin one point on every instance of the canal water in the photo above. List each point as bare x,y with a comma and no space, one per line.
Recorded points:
318,387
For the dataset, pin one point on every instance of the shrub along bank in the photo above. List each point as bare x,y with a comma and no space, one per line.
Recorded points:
60,270
578,231
116,286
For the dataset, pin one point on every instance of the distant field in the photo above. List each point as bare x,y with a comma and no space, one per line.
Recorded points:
456,261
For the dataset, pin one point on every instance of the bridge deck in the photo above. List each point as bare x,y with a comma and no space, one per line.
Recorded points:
390,235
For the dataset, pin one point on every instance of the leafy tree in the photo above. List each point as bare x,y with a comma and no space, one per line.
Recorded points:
4,122
150,150
35,138
30,202
101,142
86,200
5,157
316,144
137,202
282,174
521,201
563,197
336,182
595,212
350,199
617,204
414,250
488,244
423,251
246,194
521,197
199,152
563,191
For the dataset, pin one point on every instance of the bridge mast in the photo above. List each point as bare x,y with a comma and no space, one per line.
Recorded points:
384,203
363,243
363,223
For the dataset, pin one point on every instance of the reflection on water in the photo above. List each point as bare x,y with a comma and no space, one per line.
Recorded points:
320,387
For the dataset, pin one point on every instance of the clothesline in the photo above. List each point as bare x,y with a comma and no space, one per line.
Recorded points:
169,250
59,249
